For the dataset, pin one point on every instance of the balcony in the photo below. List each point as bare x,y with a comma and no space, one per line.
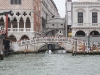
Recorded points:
19,29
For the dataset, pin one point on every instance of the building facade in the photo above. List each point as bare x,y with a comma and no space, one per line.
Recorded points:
26,19
49,10
68,17
85,18
55,27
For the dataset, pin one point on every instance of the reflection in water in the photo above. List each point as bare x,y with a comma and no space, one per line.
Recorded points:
51,64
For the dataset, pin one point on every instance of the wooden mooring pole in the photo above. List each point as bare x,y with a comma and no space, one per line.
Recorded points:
74,52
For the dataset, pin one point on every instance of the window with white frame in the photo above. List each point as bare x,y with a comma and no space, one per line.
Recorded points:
80,17
94,17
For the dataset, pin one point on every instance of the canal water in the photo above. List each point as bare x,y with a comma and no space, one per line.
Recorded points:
50,64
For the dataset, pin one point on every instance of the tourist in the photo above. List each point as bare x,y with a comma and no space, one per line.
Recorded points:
88,49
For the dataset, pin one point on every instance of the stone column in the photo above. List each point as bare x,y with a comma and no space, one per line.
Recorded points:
18,26
73,33
86,16
98,18
24,27
32,27
11,27
4,25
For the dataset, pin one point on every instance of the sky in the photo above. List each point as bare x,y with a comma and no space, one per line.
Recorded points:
61,7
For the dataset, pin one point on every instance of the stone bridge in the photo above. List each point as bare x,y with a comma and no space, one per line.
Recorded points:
37,43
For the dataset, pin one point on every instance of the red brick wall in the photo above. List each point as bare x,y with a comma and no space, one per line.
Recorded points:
37,14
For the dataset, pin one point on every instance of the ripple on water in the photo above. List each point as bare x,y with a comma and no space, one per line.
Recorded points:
54,64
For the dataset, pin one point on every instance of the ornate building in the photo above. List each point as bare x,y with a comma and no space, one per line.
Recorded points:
26,19
85,17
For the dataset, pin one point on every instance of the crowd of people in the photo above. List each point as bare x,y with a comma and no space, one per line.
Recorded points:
93,46
82,44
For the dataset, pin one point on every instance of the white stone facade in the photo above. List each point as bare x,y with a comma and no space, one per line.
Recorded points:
87,27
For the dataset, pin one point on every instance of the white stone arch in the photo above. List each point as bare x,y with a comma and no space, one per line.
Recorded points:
94,9
29,17
40,46
4,17
24,17
80,10
66,46
29,13
14,13
18,18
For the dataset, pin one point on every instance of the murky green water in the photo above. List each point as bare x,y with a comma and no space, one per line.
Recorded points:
54,64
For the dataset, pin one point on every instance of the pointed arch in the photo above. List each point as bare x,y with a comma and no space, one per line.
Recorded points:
14,22
1,23
28,23
21,23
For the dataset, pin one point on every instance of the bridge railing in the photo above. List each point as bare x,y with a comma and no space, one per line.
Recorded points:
46,40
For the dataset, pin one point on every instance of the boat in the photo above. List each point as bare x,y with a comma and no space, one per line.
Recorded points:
48,52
